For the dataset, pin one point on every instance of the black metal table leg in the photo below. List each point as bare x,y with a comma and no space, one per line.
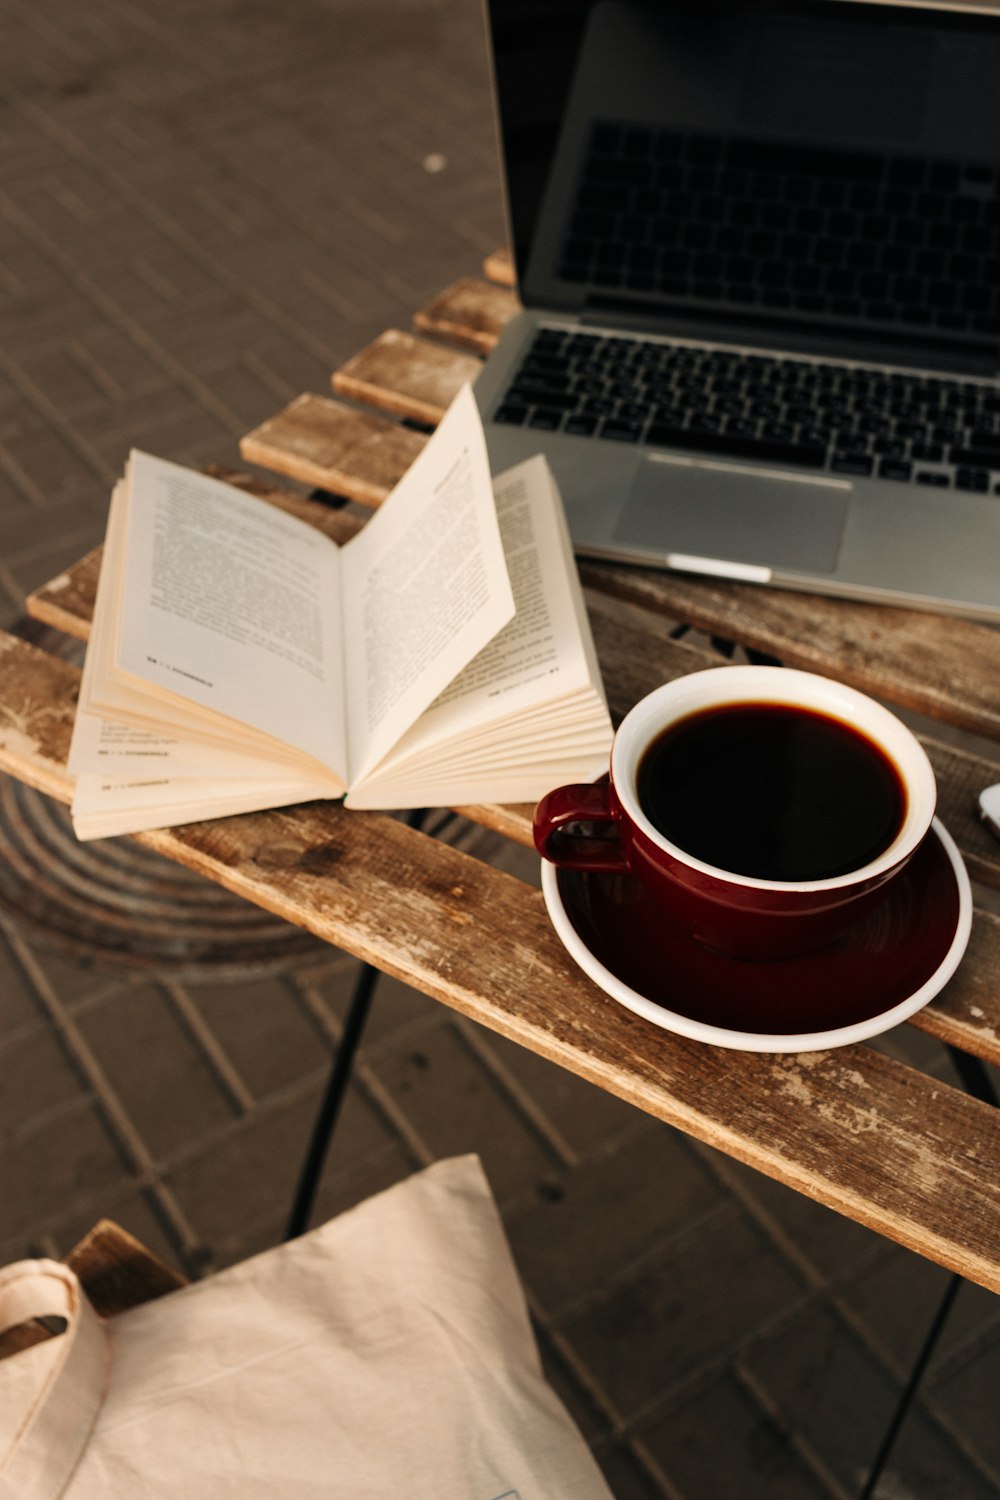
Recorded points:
333,1098
976,1081
336,1087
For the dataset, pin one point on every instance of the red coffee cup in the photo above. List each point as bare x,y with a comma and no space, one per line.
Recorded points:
607,827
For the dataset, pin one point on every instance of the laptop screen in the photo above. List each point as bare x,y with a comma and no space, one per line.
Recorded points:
819,165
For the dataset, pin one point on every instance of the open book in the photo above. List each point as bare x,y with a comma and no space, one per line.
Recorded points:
240,659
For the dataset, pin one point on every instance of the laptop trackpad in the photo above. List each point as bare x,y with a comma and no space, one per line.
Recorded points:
702,508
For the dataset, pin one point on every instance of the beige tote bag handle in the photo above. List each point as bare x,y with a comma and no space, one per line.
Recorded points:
57,1417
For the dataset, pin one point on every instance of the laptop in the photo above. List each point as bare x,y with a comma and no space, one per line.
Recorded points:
758,250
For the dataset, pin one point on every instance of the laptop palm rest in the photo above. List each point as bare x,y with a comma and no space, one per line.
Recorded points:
704,509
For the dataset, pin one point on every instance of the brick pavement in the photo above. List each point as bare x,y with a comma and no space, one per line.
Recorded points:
204,208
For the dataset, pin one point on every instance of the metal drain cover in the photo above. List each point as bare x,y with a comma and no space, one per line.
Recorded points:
113,901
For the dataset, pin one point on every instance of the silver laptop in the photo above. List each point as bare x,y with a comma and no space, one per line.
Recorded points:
758,248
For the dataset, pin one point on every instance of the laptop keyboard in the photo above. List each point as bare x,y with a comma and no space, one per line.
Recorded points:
901,241
846,419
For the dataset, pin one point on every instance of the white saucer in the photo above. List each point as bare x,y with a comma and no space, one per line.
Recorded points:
888,967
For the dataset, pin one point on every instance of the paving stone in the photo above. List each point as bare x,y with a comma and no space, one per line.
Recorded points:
832,1390
352,1176
248,1173
897,1296
580,1398
456,1106
50,467
262,1031
584,1228
966,1392
161,1076
701,1295
124,365
626,1476
64,1159
754,1459
69,385
19,1012
927,1465
32,532
37,1076
834,1246
586,1116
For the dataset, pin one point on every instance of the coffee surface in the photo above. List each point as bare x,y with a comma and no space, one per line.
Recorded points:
772,791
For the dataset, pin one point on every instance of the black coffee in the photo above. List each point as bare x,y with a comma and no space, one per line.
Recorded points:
772,791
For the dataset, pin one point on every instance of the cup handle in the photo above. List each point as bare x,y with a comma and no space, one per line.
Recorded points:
580,850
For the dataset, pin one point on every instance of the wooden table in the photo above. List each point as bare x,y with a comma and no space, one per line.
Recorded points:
901,1152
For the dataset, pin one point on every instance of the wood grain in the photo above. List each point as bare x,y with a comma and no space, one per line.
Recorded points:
407,376
939,665
118,1272
499,266
636,655
904,1154
470,313
36,715
334,447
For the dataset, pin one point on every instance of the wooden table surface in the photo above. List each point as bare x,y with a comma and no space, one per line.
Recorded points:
890,1147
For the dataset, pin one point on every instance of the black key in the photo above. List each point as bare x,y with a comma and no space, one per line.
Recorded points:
976,458
527,395
987,442
889,447
741,427
510,414
851,463
972,479
548,421
935,477
544,361
894,468
534,372
733,446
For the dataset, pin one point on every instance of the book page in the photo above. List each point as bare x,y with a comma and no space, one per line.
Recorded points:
235,605
425,586
102,809
126,730
544,655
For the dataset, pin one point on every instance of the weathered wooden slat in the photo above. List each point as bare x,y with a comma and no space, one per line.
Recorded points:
118,1272
67,602
36,713
335,448
471,313
37,705
893,1149
635,656
407,376
499,266
942,666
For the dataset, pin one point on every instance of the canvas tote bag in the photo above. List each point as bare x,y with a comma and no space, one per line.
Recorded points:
385,1356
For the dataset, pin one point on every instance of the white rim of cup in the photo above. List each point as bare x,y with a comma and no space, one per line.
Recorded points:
720,685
